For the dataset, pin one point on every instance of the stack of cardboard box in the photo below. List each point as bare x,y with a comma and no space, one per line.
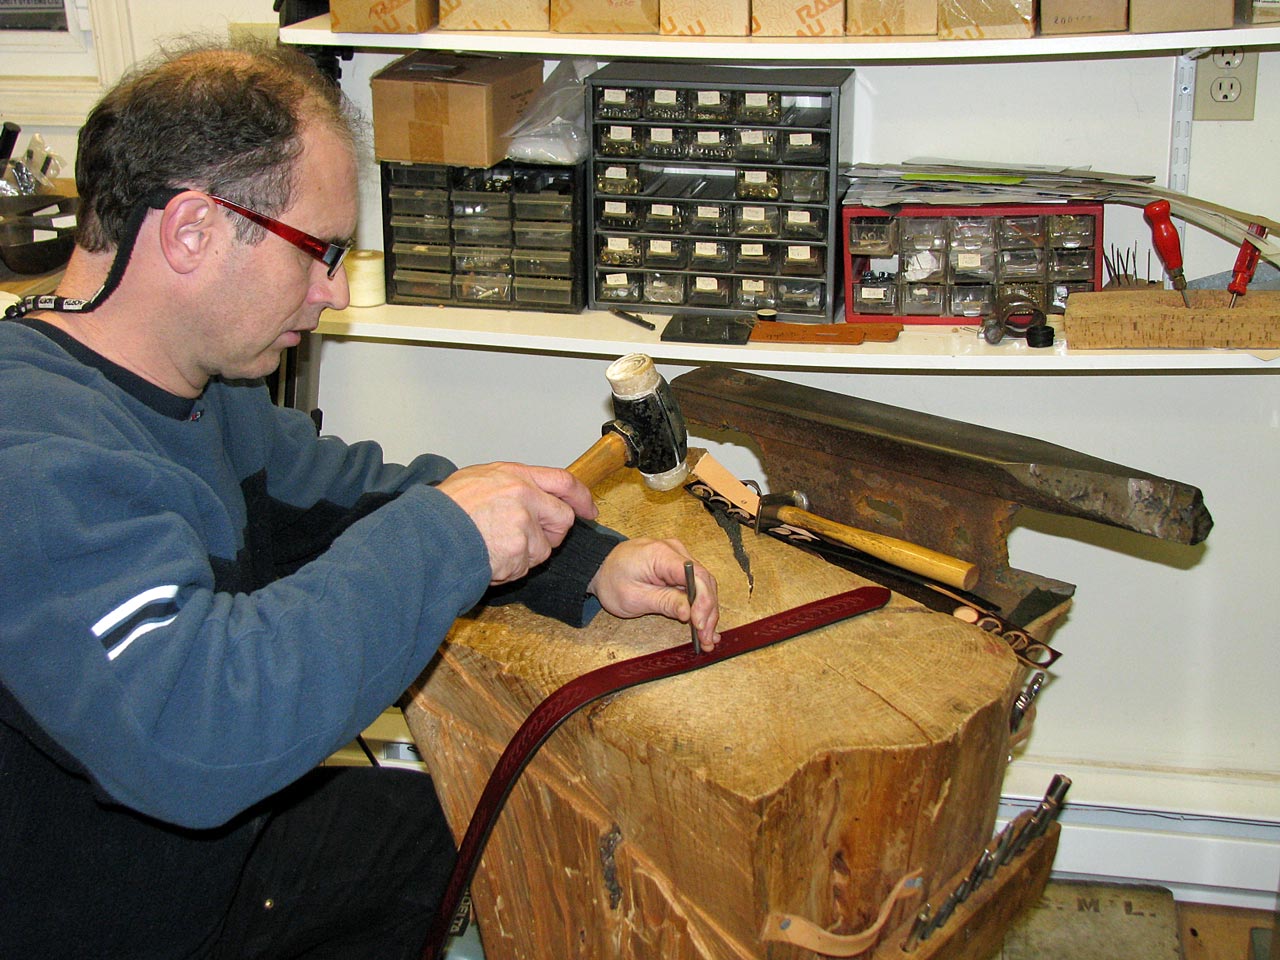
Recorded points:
945,19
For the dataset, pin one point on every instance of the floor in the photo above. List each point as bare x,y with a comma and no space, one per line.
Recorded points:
1221,933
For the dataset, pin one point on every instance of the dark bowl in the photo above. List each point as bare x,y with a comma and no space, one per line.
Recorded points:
25,204
22,253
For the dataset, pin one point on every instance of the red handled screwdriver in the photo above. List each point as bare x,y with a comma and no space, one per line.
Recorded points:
1165,238
1246,264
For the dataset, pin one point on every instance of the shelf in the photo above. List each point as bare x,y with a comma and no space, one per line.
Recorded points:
596,333
852,50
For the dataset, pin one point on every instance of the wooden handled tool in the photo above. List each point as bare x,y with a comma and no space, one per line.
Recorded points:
941,567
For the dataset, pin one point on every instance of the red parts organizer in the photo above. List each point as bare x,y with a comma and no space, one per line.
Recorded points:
951,264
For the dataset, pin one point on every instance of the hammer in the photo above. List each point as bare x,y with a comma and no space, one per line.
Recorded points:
793,509
647,430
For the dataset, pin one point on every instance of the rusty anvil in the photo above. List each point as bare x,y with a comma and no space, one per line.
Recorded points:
950,486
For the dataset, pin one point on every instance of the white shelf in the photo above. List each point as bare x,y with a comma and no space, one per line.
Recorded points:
600,334
852,50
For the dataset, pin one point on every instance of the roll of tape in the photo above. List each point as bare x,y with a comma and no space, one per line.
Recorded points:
366,278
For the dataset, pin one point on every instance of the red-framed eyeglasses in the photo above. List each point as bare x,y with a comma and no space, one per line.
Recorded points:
330,254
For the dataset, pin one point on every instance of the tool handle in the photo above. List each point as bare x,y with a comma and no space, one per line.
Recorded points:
949,570
606,455
1164,236
1246,263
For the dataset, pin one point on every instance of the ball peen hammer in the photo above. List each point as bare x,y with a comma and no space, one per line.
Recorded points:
647,430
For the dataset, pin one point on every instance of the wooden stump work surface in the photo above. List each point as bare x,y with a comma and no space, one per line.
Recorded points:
669,820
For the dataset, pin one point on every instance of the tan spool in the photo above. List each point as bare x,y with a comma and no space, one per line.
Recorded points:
366,278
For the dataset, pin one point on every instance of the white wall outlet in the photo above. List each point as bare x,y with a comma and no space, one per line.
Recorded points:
1226,85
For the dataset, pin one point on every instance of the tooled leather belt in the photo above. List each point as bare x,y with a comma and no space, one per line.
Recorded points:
577,693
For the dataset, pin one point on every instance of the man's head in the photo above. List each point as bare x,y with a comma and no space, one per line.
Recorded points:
224,121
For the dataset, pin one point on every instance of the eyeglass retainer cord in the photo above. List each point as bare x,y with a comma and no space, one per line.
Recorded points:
47,301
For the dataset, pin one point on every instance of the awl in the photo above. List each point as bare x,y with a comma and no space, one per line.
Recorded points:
1165,239
1246,264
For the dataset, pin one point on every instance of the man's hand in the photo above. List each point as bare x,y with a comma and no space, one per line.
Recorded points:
522,512
647,576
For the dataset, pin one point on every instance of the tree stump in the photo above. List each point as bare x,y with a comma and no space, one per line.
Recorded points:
669,820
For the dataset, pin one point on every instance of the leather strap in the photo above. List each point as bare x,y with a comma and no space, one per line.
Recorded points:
580,691
804,933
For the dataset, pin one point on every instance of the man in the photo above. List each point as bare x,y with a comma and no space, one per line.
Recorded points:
200,598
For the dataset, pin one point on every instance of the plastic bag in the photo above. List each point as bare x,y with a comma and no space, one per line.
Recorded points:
553,129
33,174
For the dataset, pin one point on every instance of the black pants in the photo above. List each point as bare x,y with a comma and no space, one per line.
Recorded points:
350,866
346,864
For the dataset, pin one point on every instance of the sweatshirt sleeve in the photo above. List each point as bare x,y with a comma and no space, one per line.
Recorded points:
558,587
183,702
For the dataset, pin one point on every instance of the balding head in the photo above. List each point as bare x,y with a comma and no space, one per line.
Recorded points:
224,120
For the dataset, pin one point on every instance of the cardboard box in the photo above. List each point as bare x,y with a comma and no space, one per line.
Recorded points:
431,107
381,16
797,18
697,18
1167,16
495,15
891,18
1083,16
1257,11
605,16
986,19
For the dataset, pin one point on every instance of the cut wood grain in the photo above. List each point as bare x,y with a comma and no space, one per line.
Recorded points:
669,820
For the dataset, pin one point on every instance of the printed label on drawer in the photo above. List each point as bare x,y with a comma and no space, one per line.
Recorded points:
801,139
615,279
757,99
708,136
664,96
708,98
708,213
619,133
873,293
705,248
799,252
661,135
662,210
969,261
752,137
706,283
660,246
799,217
753,249
753,214
616,208
619,244
612,95
755,176
615,173
753,286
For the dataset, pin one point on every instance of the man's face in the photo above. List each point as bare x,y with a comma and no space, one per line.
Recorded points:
274,292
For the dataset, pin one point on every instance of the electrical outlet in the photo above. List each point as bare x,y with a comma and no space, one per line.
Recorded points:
1226,85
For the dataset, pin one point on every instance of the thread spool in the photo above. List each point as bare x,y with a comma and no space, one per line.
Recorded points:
366,278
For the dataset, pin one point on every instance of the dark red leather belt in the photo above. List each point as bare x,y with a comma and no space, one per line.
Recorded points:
553,711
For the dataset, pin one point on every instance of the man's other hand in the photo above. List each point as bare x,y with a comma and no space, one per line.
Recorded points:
644,576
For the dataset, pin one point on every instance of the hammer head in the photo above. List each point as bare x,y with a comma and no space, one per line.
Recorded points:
647,416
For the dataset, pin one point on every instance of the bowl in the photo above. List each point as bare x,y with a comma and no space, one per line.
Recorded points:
19,248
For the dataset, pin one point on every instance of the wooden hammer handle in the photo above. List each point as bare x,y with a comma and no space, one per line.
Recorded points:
606,455
952,571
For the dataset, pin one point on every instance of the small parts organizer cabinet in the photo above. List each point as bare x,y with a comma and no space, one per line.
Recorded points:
715,190
507,236
935,264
